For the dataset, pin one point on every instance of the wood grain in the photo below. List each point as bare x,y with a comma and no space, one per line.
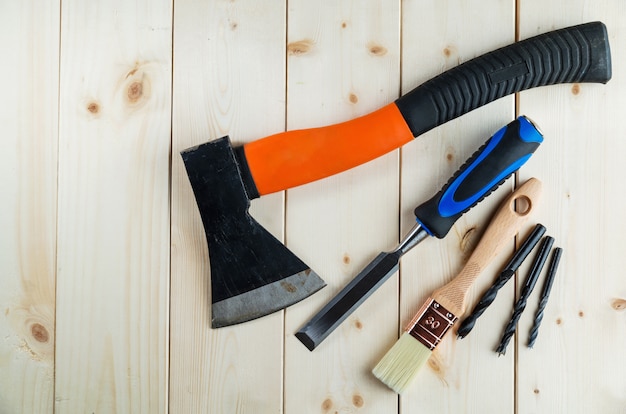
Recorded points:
344,62
577,362
113,221
29,41
97,100
460,374
229,78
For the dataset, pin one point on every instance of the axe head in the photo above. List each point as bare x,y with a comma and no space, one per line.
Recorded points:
252,273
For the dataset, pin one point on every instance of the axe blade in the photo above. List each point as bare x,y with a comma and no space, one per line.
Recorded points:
252,273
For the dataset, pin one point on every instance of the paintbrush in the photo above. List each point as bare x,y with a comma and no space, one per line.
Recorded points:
443,308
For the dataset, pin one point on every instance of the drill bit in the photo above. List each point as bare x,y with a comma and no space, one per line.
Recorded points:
531,281
509,270
545,293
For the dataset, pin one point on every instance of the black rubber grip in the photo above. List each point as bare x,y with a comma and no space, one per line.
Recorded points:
575,54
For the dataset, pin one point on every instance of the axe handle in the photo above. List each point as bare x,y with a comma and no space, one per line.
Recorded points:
285,160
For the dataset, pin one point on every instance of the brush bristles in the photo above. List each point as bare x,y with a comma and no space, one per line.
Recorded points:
402,363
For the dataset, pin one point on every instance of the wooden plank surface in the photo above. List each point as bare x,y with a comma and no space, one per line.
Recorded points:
104,269
229,79
461,375
113,220
575,363
343,61
29,41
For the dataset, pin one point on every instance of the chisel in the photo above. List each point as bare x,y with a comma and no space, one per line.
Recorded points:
503,154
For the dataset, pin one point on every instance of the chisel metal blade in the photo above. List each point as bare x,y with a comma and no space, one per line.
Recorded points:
357,291
336,311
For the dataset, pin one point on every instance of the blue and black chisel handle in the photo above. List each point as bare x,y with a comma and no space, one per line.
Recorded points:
503,154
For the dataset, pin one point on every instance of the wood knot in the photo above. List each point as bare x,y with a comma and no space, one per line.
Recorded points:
357,400
344,25
358,324
327,404
449,50
619,304
450,153
93,107
376,50
536,391
346,259
39,332
135,91
575,89
299,47
353,98
434,365
559,321
581,314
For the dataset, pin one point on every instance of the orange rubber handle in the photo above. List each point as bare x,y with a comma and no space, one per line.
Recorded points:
293,158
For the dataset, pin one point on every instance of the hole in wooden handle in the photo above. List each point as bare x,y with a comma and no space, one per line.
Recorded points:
523,205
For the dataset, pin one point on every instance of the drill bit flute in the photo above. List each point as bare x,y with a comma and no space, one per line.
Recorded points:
545,293
509,270
520,305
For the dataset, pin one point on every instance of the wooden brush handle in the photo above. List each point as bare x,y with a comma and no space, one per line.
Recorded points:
503,226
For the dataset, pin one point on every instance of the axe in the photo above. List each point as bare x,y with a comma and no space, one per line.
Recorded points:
254,274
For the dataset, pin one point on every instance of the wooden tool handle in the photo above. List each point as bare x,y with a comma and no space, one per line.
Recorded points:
504,225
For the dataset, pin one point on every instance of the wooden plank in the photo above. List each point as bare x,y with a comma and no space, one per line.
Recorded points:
29,40
229,78
461,376
113,221
577,363
343,61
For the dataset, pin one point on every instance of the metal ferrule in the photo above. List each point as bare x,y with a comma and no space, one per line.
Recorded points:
412,239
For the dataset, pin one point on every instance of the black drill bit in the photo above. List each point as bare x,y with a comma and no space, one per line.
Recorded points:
509,270
531,281
545,293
